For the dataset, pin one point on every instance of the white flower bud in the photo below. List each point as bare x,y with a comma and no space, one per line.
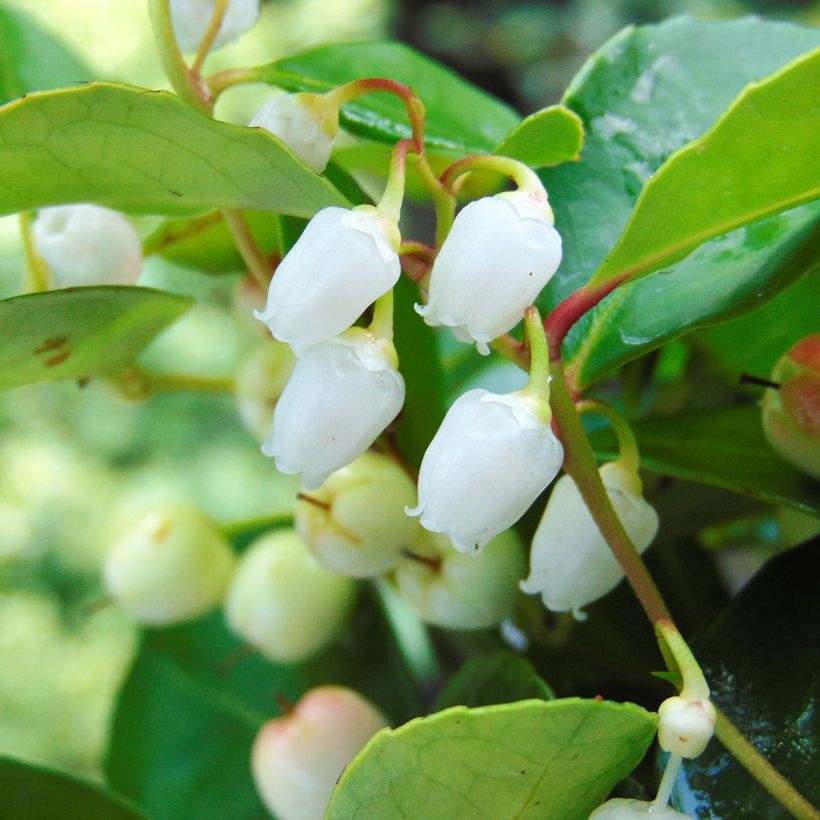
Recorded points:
570,562
622,809
499,254
458,591
305,123
171,565
259,383
355,522
685,726
343,261
88,245
297,759
342,394
191,19
282,602
491,458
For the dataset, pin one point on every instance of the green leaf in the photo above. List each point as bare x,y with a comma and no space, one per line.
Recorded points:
145,152
80,332
531,759
643,96
33,793
195,698
757,160
727,277
31,59
461,119
760,658
489,679
548,137
725,447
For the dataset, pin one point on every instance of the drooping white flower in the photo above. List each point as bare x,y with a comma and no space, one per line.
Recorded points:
340,397
620,808
88,245
344,261
499,254
306,123
297,759
191,19
491,458
570,562
685,726
355,523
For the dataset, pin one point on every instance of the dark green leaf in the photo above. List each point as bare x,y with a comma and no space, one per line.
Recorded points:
195,699
761,658
80,332
145,152
723,446
461,119
548,137
531,759
31,793
489,679
32,60
757,160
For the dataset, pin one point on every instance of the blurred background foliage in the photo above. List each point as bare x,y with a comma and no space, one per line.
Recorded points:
75,462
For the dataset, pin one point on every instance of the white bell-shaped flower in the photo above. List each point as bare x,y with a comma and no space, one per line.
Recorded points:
306,123
685,726
570,562
88,245
499,254
491,458
191,19
344,261
620,808
340,397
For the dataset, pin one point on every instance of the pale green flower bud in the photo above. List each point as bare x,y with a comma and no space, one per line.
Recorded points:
685,726
259,383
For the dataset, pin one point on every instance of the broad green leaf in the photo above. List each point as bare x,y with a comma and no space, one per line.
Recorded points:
489,679
757,160
80,332
32,793
461,119
531,759
145,152
761,658
643,96
196,697
725,447
32,60
745,274
548,137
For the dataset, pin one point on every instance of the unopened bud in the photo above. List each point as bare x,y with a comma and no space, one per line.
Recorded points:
191,19
259,383
620,808
685,726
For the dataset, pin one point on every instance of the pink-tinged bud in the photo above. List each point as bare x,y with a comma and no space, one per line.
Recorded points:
685,726
297,759
791,415
191,19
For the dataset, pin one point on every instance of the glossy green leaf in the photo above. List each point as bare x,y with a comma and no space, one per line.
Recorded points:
761,659
32,793
196,697
747,267
757,160
32,59
80,332
531,759
643,96
145,152
461,119
548,137
725,447
489,679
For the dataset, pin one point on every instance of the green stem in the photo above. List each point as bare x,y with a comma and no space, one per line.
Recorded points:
382,325
763,771
522,175
37,272
390,203
229,77
267,522
628,456
172,60
539,383
257,263
670,774
581,464
220,7
694,686
138,383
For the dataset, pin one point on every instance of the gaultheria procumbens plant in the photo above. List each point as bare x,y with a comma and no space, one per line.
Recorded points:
431,486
